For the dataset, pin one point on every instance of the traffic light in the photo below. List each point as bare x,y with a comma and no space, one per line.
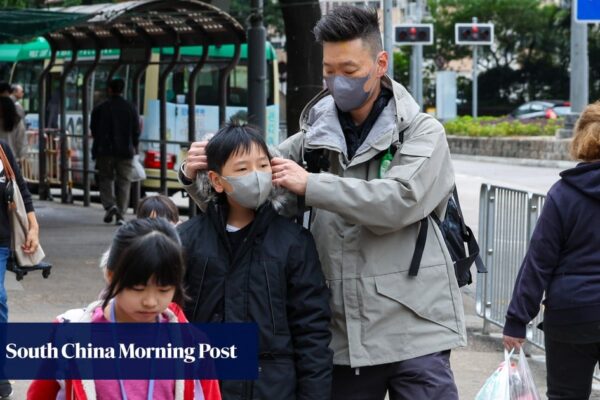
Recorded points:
474,33
413,34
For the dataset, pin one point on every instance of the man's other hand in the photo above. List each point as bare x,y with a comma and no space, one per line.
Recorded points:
289,175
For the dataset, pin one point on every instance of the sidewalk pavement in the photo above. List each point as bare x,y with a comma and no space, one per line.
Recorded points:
74,237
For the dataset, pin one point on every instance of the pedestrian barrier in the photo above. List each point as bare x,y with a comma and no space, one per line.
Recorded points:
30,165
507,218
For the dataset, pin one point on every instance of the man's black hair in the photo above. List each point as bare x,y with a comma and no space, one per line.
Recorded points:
116,86
4,87
347,23
143,249
235,137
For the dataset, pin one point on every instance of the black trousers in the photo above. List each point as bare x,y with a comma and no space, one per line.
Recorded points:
423,378
570,369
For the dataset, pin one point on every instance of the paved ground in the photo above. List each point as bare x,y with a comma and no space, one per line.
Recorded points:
74,237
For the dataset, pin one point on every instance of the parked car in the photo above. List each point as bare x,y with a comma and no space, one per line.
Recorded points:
547,109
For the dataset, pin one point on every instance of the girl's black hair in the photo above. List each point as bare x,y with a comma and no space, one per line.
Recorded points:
233,138
142,249
8,113
159,206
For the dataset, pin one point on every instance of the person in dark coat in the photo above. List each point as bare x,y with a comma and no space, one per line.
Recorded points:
246,263
115,128
563,261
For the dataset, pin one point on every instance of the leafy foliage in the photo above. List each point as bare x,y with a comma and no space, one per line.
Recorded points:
499,127
530,57
273,20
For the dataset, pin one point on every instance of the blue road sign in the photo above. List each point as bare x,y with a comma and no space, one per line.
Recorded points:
587,11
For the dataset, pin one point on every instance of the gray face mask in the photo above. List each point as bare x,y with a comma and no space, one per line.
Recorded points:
348,93
250,190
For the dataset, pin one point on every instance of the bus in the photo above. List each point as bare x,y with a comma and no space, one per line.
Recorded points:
23,64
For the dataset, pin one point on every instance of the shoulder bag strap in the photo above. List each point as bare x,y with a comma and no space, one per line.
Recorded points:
10,174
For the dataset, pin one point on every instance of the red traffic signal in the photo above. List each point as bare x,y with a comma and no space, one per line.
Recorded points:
413,34
474,33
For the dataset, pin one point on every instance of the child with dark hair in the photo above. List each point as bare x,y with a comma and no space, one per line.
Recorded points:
159,206
246,263
145,282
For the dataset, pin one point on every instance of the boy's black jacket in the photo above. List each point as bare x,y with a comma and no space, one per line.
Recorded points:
274,280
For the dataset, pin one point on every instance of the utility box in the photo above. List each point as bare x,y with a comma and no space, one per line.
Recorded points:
445,95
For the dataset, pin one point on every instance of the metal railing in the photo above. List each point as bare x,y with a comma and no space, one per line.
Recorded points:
507,218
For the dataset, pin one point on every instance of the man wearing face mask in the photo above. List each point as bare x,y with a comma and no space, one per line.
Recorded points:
382,167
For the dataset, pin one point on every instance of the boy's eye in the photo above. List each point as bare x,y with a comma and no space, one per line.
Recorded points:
265,165
242,169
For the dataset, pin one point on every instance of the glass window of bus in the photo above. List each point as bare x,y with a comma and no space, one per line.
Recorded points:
27,74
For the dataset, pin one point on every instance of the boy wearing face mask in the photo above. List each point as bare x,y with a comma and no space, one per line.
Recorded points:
245,263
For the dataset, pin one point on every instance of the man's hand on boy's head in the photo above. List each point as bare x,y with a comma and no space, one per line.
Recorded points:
289,175
196,160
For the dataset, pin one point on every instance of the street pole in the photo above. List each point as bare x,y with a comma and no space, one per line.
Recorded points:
388,36
475,65
419,67
416,60
578,72
257,68
579,83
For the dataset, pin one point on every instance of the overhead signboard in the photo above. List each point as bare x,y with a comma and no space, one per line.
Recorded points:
587,11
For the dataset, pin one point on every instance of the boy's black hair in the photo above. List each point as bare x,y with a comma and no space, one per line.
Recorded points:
142,249
347,23
159,206
116,86
235,137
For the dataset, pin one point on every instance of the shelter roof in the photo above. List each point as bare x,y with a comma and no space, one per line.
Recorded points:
144,23
17,24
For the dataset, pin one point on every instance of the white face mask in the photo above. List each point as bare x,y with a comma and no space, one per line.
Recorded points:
250,190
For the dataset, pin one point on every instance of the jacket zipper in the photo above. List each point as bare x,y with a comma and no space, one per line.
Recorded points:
200,289
269,296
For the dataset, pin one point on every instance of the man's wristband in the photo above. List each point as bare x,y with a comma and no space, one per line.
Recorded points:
182,177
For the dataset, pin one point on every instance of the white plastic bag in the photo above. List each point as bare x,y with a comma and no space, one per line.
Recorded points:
522,385
510,381
138,172
496,387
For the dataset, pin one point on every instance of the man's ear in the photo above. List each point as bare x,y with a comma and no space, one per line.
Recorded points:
216,181
382,63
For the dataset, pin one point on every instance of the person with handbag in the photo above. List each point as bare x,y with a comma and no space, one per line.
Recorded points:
12,185
561,270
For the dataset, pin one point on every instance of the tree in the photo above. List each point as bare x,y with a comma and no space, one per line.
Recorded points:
305,57
295,19
530,57
273,20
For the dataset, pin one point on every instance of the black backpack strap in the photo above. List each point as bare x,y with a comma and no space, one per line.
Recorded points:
419,248
464,228
301,204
